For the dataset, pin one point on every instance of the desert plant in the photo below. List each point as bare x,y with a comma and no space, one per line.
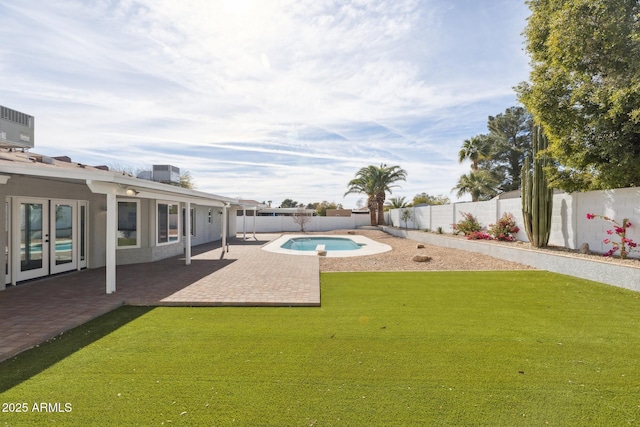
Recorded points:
406,214
537,197
439,230
504,229
625,245
467,225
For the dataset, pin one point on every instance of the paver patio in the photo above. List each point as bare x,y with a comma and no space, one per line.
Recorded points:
247,276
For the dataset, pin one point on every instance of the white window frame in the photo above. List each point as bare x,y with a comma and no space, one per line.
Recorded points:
138,230
178,225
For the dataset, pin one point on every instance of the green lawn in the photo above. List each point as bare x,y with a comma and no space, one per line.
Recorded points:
436,348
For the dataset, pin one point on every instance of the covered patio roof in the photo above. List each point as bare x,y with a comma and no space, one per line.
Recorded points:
101,180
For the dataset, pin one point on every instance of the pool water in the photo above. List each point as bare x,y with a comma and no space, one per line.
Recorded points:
330,244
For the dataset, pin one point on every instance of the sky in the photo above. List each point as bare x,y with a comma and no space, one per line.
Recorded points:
265,99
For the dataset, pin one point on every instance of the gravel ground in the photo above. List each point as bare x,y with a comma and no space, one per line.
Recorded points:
399,259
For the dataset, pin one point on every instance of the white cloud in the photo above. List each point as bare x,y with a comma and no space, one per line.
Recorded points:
267,100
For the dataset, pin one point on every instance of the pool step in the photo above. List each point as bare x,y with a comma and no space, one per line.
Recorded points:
321,251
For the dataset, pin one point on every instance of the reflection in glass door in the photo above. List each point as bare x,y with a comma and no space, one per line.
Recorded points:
62,245
34,238
82,234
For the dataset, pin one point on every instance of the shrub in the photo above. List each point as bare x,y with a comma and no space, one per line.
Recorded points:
467,225
504,229
625,245
439,230
478,235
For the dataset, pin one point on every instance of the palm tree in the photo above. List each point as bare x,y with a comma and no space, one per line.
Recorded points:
397,202
362,184
481,185
474,149
375,182
387,177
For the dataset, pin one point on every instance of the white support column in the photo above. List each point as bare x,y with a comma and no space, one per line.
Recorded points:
224,230
244,223
255,213
111,244
187,234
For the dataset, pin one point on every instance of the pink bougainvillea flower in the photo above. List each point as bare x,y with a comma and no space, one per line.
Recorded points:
606,241
609,232
590,216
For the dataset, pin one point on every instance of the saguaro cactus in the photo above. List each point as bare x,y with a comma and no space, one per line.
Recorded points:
537,197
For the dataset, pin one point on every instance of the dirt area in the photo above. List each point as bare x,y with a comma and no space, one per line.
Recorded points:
400,258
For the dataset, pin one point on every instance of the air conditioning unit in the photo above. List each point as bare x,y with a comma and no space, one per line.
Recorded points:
165,173
16,128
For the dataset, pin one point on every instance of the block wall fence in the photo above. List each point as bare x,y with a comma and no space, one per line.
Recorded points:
277,224
570,227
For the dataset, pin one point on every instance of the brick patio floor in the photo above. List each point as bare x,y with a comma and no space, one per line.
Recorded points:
34,312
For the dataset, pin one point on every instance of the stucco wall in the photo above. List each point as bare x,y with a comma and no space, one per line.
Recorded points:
276,224
569,224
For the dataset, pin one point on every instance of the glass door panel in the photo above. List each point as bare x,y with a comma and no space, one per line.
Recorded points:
31,236
33,241
82,238
63,221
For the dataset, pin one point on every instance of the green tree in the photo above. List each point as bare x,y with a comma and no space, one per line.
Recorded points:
481,185
375,182
289,203
510,136
186,181
424,198
585,89
321,207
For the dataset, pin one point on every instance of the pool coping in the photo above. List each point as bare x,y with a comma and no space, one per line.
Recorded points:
368,246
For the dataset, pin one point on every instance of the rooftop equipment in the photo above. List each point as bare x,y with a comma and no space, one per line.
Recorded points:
16,129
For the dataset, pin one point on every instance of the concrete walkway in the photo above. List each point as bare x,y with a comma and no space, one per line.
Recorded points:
33,312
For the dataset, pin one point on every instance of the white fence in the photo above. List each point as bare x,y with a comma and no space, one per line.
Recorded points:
570,227
277,224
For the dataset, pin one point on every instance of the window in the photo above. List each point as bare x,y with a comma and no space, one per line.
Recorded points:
128,224
168,221
209,215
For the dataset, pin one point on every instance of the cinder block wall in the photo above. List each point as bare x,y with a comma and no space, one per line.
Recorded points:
570,227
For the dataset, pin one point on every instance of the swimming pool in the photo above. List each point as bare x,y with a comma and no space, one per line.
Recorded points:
334,245
330,244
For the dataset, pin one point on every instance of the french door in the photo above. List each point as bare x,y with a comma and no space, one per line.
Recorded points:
30,238
48,237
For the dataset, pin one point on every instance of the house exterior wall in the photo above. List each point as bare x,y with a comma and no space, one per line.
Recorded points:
20,186
149,251
207,231
42,188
